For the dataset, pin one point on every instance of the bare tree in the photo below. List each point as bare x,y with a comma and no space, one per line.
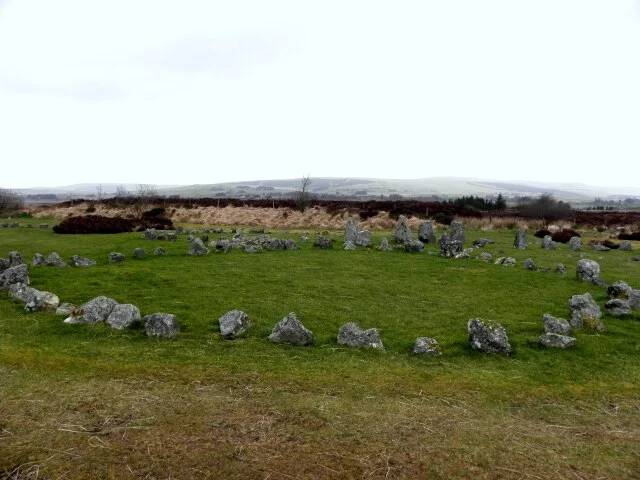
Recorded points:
10,201
121,194
144,195
99,193
302,196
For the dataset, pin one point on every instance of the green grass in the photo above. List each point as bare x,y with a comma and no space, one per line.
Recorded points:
92,402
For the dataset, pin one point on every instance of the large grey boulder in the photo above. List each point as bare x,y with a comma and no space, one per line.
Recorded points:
350,231
17,274
488,337
78,261
124,315
555,340
402,232
575,243
585,312
291,331
427,346
456,232
323,242
426,233
34,300
618,307
556,325
94,311
197,248
548,243
520,242
15,259
588,271
55,260
233,323
161,325
351,335
414,246
116,257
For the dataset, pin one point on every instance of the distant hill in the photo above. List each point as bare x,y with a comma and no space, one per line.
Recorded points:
365,188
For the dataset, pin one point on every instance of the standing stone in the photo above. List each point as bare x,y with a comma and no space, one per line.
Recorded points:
161,325
124,315
115,257
353,336
15,259
427,346
520,242
197,248
585,312
488,337
39,260
449,248
34,300
575,243
618,307
82,262
402,232
548,243
17,274
290,331
426,233
588,271
384,245
555,340
456,232
529,264
556,325
94,311
139,253
55,260
233,323
363,239
625,245
350,231
414,246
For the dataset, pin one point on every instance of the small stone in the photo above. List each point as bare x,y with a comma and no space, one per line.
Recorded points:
124,315
38,260
488,337
323,242
78,261
529,264
159,252
233,323
618,307
15,259
139,253
353,336
427,346
414,246
384,245
115,257
197,248
625,245
485,257
55,260
555,340
349,245
291,331
161,325
560,269
556,325
482,242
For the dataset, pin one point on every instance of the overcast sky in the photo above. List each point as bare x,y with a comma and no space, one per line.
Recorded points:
207,91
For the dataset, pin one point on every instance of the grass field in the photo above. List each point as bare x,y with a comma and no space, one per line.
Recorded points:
82,401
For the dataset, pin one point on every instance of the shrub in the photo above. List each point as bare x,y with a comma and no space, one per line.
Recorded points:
542,233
